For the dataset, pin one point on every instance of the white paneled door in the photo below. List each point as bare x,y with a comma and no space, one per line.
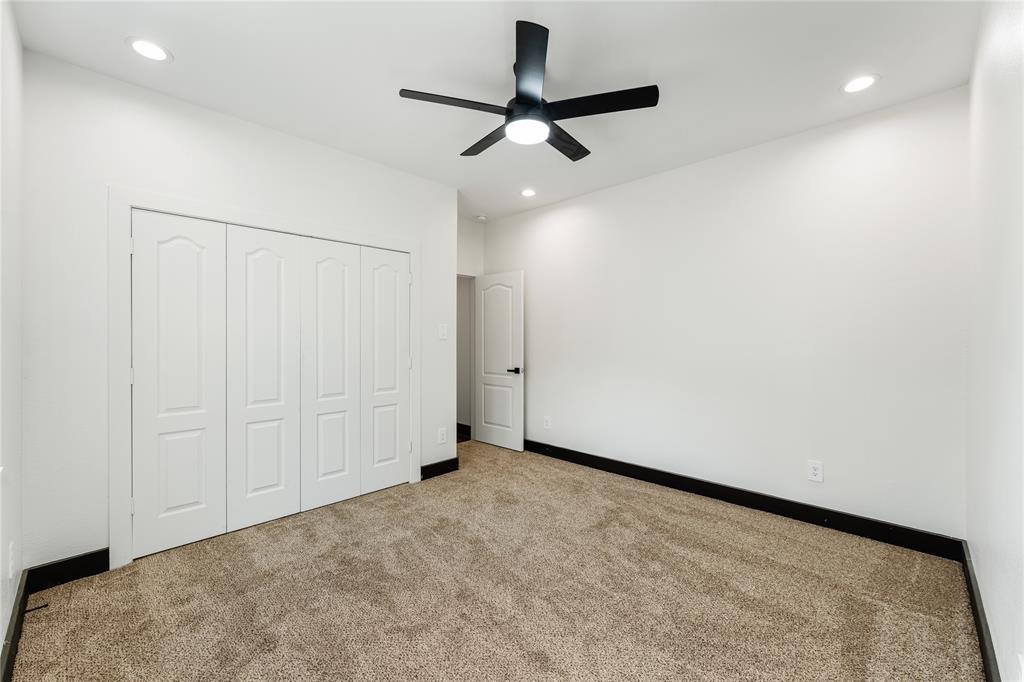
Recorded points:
178,439
272,374
499,360
330,372
386,363
263,402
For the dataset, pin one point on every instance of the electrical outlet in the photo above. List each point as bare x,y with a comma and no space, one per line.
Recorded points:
547,422
442,331
442,435
815,471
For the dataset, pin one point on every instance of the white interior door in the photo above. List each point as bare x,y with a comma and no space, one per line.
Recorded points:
178,440
263,403
499,360
330,372
387,440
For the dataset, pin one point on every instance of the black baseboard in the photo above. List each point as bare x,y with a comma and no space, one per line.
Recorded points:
10,649
902,536
988,652
65,570
37,579
438,468
464,430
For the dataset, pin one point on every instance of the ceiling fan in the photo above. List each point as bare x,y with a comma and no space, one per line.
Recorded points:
529,118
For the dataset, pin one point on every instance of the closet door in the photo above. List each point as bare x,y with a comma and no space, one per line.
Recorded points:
263,317
387,441
330,372
178,390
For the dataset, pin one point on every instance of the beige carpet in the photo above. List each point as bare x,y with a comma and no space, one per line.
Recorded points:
515,567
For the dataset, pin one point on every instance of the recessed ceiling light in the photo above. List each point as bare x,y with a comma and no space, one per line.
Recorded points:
527,130
528,192
860,83
149,49
482,218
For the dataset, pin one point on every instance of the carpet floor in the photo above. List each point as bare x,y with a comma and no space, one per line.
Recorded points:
517,566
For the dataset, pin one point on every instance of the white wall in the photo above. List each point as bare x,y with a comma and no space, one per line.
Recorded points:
10,312
464,311
84,131
471,247
995,476
802,299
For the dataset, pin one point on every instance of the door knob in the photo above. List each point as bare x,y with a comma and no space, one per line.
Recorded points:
514,370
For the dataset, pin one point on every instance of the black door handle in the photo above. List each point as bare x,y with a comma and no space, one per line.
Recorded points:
514,370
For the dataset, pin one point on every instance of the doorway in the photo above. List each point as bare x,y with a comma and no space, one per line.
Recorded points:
489,359
465,352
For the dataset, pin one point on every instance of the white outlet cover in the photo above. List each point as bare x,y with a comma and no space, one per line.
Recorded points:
442,331
547,422
442,435
815,471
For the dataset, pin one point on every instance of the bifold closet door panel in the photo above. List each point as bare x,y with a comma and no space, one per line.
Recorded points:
330,372
178,440
387,441
264,277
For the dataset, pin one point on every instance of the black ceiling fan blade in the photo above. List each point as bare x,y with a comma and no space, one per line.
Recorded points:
452,101
566,143
531,53
605,103
486,141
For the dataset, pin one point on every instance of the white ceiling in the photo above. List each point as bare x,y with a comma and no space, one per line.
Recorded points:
731,75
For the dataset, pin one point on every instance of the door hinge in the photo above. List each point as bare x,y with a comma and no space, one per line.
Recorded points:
410,446
131,504
410,360
131,245
131,376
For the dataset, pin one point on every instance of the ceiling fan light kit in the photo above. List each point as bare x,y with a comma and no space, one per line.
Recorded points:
527,130
529,118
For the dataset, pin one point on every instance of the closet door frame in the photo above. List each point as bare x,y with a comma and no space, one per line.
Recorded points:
121,201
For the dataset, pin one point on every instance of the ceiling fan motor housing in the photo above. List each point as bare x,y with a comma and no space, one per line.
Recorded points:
518,110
